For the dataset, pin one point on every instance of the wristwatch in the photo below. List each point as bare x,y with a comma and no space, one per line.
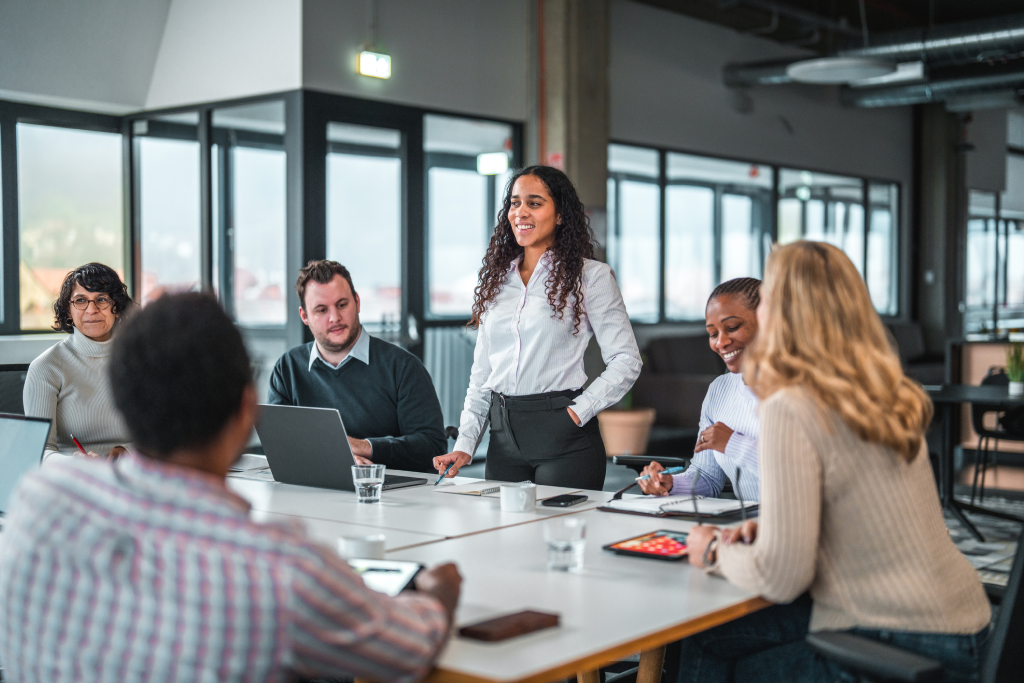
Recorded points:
710,555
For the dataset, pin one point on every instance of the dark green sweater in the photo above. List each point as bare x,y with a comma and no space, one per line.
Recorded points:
390,402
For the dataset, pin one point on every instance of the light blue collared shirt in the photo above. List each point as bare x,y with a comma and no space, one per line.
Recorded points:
360,351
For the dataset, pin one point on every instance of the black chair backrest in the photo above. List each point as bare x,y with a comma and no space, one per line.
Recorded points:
12,386
978,410
1004,656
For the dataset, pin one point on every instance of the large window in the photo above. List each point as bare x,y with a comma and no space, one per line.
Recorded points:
995,256
680,224
70,211
464,196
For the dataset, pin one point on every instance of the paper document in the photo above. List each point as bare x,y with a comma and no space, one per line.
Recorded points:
654,505
249,462
492,489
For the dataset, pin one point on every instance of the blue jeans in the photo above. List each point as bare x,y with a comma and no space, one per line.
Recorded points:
769,646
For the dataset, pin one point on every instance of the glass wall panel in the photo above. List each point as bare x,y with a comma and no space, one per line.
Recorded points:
882,256
629,160
70,211
168,167
981,260
466,177
254,179
689,250
364,216
824,208
740,248
634,219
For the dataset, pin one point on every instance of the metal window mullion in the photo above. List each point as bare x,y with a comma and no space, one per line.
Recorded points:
716,232
10,314
226,223
866,211
205,136
662,231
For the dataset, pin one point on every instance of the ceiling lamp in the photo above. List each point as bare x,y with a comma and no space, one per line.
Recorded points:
838,70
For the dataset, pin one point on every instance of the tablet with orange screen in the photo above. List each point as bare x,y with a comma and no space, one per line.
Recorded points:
659,545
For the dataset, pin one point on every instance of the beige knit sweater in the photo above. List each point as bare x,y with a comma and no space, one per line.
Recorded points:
857,525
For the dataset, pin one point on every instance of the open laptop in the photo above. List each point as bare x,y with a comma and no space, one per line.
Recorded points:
309,447
22,441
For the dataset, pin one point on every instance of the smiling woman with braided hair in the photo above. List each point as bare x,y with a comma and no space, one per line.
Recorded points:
540,299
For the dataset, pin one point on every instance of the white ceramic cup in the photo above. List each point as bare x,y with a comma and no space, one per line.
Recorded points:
362,547
519,497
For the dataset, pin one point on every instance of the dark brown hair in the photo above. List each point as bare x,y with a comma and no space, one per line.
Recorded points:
94,277
574,242
322,272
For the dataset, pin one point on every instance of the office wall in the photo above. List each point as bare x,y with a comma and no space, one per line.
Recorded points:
460,55
666,82
221,49
96,55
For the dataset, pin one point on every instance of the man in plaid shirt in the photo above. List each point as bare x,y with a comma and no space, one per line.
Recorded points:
147,568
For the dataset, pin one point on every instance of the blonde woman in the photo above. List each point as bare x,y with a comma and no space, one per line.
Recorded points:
851,534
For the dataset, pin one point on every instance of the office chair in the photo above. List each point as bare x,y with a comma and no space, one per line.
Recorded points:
12,386
1002,661
986,436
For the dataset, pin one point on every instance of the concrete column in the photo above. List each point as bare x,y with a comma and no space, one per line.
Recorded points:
573,97
941,239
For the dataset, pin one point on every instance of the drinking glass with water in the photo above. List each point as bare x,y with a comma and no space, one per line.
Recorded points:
566,538
369,479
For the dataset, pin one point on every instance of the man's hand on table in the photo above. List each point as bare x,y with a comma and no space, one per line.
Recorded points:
444,583
362,451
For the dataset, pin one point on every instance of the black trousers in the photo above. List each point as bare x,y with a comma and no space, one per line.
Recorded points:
534,438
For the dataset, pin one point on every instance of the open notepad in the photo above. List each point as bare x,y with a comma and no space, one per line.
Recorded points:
663,506
492,489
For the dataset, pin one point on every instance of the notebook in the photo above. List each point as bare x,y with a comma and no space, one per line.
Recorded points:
683,506
492,489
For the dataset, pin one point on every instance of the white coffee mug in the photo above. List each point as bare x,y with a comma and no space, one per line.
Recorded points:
362,547
520,497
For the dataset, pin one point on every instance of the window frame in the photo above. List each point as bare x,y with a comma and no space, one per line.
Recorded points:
900,249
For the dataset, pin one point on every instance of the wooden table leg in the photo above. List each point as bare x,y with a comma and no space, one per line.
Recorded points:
651,663
588,677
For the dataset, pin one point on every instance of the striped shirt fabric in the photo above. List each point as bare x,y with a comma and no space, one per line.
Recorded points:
732,403
144,571
68,384
524,348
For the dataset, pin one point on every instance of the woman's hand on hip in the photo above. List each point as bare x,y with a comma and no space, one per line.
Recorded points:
714,437
659,484
574,416
460,458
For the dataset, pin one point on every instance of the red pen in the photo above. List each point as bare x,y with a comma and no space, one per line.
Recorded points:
78,444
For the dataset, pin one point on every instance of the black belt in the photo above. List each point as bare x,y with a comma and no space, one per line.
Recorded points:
552,400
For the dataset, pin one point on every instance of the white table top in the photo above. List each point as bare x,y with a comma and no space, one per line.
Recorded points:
419,509
328,532
615,606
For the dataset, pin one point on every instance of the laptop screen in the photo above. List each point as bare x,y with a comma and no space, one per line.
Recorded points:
22,440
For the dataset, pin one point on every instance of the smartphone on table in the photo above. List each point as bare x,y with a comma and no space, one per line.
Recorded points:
564,501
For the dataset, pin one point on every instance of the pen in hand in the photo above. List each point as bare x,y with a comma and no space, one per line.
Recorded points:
445,473
78,445
670,470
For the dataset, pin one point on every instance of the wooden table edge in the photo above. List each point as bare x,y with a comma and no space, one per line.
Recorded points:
595,661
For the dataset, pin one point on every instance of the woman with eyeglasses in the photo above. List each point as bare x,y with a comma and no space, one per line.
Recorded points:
68,382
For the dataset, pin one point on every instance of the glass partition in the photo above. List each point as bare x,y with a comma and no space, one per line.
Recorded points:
634,234
824,208
364,216
167,153
468,165
883,200
70,211
249,171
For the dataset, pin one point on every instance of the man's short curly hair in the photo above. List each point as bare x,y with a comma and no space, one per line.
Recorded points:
94,277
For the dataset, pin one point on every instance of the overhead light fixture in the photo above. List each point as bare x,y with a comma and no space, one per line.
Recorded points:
838,70
374,64
491,163
803,193
905,72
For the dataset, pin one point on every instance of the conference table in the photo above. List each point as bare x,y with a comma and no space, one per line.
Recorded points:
948,398
614,607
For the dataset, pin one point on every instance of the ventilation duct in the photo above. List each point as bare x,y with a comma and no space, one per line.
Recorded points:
936,91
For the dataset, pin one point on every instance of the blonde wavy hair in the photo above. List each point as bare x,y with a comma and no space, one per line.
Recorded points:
822,334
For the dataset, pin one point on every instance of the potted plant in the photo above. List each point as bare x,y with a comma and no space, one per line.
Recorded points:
1015,368
625,430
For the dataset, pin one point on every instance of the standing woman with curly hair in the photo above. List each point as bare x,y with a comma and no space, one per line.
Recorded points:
68,383
540,299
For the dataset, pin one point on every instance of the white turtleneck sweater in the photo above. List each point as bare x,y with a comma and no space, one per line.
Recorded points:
68,384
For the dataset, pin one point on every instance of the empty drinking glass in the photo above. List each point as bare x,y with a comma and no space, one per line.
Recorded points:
566,538
369,479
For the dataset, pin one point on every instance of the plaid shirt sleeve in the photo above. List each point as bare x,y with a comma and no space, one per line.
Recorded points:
338,626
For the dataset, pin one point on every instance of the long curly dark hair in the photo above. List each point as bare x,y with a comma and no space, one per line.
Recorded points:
574,242
95,277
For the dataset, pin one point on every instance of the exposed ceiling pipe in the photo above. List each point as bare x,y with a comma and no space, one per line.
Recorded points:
935,91
973,41
970,42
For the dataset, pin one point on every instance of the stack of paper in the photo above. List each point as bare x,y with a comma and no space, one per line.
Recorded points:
675,505
492,489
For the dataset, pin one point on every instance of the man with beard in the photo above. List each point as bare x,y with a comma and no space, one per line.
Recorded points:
384,393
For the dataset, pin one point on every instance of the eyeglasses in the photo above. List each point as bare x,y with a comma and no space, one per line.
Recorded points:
102,303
